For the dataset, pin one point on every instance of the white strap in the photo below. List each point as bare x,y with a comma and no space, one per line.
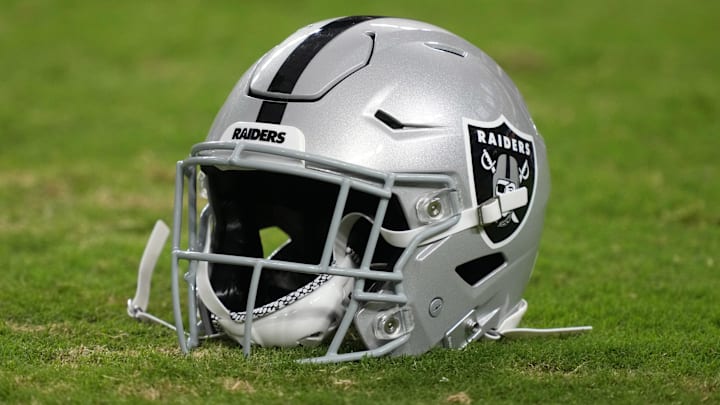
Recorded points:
489,212
206,293
496,208
137,306
154,247
508,327
519,333
468,219
205,290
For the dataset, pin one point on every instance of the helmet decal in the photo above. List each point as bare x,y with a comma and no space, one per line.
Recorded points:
271,134
291,69
501,160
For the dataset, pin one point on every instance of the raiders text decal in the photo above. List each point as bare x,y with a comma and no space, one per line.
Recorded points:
270,134
501,159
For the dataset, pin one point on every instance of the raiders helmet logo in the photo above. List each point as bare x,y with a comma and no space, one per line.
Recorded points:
501,159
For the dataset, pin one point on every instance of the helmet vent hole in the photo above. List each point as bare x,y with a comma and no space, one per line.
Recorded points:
474,271
446,48
388,120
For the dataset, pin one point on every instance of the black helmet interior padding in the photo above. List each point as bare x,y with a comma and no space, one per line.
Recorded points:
245,201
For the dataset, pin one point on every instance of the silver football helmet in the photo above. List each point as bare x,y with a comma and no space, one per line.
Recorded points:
402,167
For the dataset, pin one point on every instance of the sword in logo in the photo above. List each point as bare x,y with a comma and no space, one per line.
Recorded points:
487,162
524,172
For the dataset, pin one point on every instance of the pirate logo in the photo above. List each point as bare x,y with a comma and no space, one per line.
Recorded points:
501,162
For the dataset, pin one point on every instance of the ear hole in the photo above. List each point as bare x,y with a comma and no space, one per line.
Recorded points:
478,269
272,238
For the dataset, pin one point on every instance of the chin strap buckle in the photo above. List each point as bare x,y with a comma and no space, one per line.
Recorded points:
496,208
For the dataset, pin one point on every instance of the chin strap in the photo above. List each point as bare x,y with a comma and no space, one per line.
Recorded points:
508,328
521,333
137,306
489,212
494,209
474,326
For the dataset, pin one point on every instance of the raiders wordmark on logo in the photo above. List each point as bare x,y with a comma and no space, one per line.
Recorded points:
501,160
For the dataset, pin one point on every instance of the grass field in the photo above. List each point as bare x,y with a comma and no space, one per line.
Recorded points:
98,100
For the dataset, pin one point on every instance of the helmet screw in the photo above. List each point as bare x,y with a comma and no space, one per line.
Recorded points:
391,325
472,326
436,306
434,208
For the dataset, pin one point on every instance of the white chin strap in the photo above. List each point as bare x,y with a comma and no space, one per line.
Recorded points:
487,213
508,328
137,306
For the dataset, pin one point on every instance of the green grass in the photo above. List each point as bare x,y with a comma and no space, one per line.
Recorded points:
98,100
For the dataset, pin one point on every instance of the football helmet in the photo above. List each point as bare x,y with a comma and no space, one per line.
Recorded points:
401,166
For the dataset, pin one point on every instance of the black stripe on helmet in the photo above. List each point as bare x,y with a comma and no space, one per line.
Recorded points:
290,71
271,112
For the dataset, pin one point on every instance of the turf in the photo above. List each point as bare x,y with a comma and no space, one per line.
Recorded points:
98,100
